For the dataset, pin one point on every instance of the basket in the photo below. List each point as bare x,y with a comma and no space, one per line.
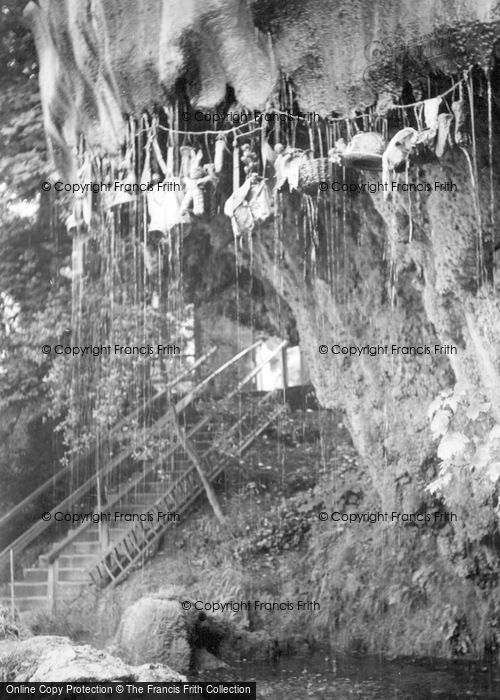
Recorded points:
313,171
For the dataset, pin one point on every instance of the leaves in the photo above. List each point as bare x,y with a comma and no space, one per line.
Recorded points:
452,444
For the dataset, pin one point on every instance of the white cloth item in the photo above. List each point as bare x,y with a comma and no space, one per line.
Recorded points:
260,201
279,169
220,146
237,198
444,136
291,169
164,209
431,109
397,152
83,200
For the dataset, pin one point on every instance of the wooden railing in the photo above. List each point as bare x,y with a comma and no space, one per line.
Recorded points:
117,561
178,408
74,464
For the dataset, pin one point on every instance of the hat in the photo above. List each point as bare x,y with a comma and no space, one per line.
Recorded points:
364,151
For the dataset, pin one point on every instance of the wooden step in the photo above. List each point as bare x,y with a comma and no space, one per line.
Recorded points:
79,561
84,548
36,575
72,574
30,589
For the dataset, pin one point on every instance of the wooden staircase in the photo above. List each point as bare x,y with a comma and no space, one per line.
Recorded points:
198,450
184,487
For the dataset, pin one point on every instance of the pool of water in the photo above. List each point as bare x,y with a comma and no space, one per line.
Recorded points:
344,678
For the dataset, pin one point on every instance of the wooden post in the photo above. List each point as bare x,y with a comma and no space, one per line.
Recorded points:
236,164
52,586
193,456
12,588
303,380
284,369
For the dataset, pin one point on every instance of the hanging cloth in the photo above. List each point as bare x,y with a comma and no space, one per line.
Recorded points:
260,200
237,208
444,136
82,209
398,152
291,168
163,199
459,109
431,110
279,169
220,147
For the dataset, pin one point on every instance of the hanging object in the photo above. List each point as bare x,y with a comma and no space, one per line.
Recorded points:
444,136
163,203
364,151
398,151
460,112
187,156
82,210
431,111
236,165
337,151
249,159
312,170
164,207
292,159
279,169
196,183
220,147
249,204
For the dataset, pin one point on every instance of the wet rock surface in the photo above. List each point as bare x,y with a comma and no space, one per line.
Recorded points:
57,659
154,629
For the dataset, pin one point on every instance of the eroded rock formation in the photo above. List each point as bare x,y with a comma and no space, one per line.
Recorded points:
58,660
411,270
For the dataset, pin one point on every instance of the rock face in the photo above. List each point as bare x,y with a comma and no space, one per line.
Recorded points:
57,659
103,59
354,269
154,630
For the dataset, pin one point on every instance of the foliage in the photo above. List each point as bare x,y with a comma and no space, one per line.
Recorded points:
33,304
282,529
22,139
469,449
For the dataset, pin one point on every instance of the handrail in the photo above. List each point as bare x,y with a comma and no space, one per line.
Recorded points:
118,426
197,390
37,528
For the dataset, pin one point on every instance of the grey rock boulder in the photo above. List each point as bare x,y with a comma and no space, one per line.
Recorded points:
154,630
58,659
